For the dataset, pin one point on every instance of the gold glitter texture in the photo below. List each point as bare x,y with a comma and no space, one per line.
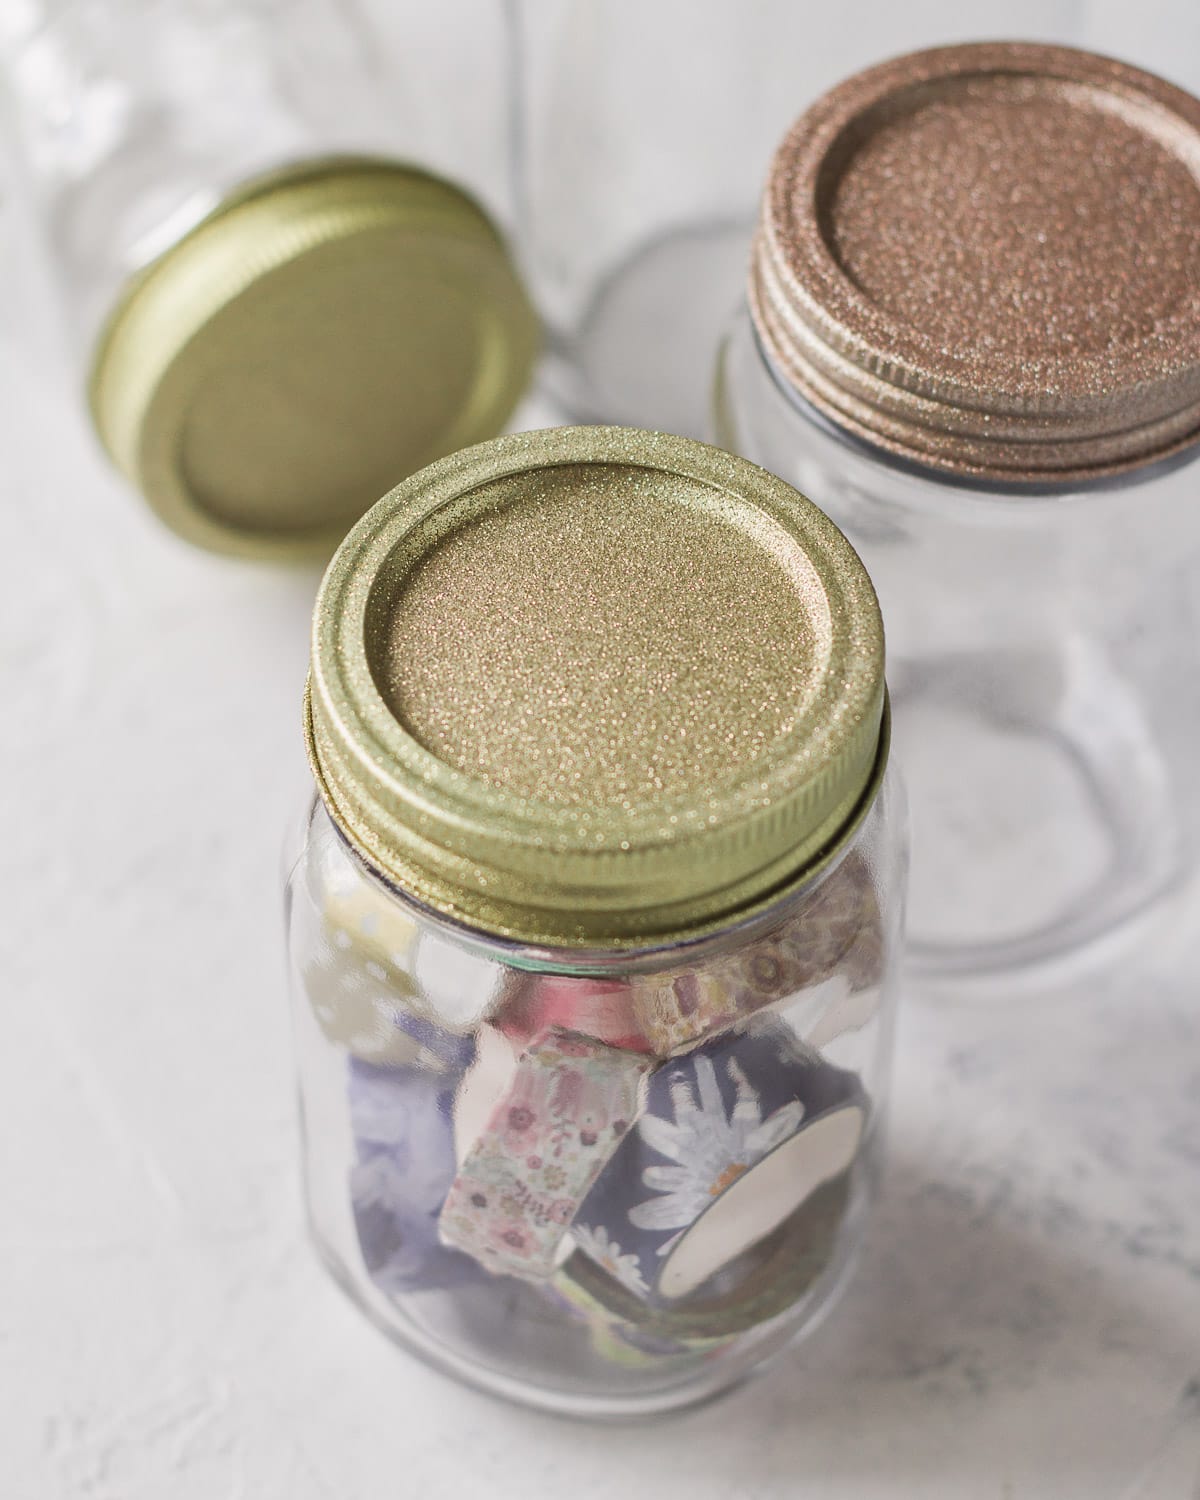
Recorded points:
987,258
597,640
595,686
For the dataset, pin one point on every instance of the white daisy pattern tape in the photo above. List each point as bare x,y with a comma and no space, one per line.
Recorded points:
570,1103
734,1139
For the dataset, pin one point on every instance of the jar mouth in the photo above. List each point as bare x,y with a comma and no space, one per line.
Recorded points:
901,293
595,687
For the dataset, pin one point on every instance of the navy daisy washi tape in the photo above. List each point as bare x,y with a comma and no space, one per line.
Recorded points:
734,1141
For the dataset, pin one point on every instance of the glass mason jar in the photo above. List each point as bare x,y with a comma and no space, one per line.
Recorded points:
645,135
277,310
973,336
593,935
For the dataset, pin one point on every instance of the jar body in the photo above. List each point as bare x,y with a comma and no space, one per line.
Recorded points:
129,123
645,135
603,1184
1040,651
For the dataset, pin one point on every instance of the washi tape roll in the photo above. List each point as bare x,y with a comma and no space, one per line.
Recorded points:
356,1011
733,1140
837,932
568,1108
484,1084
357,982
765,1283
357,914
603,1009
626,1343
375,1023
377,980
845,1010
403,1135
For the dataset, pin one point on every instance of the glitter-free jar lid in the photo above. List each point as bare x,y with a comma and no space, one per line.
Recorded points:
326,331
595,687
986,259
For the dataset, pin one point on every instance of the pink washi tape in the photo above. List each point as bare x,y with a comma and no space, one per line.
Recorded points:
837,933
602,1009
566,1110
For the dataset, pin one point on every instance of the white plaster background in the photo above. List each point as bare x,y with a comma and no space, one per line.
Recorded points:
1024,1322
1026,1319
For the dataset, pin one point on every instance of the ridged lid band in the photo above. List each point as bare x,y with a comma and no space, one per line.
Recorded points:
983,258
326,330
555,864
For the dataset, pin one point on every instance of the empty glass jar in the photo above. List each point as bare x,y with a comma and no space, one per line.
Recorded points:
973,337
279,311
594,930
646,133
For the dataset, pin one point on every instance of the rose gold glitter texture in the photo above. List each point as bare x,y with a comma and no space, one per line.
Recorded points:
595,686
987,259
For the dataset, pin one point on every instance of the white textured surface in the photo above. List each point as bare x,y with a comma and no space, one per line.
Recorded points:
1024,1322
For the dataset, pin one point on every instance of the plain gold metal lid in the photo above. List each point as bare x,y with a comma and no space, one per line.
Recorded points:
325,332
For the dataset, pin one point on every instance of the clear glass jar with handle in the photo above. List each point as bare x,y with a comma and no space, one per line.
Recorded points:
594,931
250,258
646,132
957,346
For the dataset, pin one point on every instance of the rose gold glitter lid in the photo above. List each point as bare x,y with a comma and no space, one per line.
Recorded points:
987,259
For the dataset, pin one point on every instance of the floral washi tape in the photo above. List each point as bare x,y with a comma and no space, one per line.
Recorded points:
835,934
570,1104
838,931
405,1164
734,1138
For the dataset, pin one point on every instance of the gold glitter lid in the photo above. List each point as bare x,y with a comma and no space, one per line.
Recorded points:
987,259
595,686
323,333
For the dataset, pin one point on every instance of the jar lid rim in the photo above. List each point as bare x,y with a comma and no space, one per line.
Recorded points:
1039,355
245,383
524,855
